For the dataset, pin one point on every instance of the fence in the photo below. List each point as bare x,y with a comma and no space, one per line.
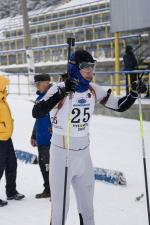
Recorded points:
22,84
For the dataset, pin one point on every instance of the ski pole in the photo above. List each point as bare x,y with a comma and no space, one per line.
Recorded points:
143,151
70,42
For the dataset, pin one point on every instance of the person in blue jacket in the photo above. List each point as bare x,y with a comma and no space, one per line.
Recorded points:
41,134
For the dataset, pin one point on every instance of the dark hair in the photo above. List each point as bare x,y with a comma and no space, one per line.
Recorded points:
41,77
83,56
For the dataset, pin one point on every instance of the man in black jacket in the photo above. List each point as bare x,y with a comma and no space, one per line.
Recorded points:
130,63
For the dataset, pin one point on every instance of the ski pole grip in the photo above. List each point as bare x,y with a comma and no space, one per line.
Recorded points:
71,41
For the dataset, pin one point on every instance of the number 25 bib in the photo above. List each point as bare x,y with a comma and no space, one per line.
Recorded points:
81,109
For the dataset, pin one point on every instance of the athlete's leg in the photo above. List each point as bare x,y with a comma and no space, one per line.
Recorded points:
57,176
83,186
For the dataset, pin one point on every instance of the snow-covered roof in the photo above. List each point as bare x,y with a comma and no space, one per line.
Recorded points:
9,22
67,6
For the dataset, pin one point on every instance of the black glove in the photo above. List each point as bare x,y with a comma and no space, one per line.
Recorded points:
70,85
138,87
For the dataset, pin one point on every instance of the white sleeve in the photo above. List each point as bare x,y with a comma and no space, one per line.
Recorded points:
101,93
52,91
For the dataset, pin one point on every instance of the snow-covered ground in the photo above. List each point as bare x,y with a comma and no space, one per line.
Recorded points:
115,144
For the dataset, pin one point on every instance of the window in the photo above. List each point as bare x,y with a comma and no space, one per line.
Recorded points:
40,29
35,42
85,9
77,11
97,32
1,47
38,56
78,22
89,34
20,32
70,12
7,34
98,18
100,32
91,47
3,59
70,23
106,48
62,24
48,16
42,41
54,26
12,59
19,43
79,35
35,19
46,27
13,33
6,46
20,61
106,17
33,30
88,20
60,38
69,34
94,7
52,39
55,15
61,14
41,18
47,55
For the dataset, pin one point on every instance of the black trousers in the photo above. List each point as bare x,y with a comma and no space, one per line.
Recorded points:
44,154
8,163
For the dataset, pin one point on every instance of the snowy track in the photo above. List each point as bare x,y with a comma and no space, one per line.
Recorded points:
115,144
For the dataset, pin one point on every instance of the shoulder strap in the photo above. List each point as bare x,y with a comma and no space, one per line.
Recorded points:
91,89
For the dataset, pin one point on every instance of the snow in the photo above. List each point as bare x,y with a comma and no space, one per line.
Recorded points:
115,144
75,3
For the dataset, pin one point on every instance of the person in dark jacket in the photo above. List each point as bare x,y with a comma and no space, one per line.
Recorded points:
130,63
41,134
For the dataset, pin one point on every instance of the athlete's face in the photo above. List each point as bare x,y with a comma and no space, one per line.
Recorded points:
87,73
86,70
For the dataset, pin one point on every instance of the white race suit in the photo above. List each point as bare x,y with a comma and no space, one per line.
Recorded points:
80,169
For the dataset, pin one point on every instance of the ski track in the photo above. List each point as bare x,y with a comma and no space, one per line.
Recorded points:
115,144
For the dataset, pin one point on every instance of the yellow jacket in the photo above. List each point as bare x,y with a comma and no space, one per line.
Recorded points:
6,121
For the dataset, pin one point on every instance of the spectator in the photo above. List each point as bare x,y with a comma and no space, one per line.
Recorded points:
8,162
130,63
41,135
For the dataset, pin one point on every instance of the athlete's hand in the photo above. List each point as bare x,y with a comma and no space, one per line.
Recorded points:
139,87
70,85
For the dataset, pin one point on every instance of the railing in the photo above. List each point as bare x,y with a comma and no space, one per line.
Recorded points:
22,84
59,36
100,48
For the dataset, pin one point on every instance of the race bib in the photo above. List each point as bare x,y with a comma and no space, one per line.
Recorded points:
81,108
